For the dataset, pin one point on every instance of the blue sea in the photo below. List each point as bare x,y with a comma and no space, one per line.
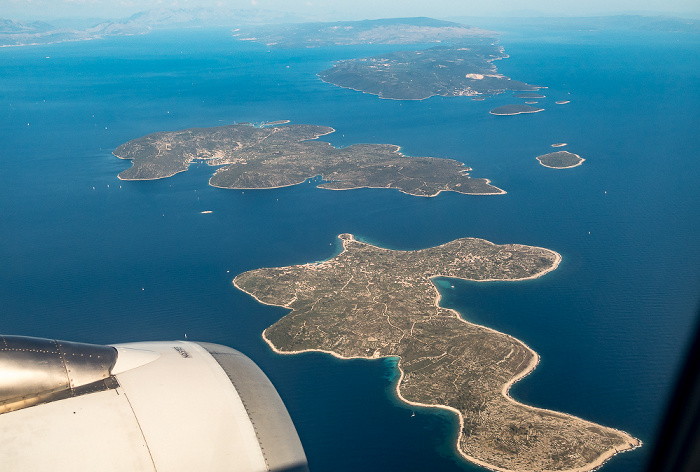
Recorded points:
87,257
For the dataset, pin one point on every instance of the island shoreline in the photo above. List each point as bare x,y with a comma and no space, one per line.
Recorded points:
631,443
581,160
152,159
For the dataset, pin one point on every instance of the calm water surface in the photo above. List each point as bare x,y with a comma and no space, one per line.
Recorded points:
87,257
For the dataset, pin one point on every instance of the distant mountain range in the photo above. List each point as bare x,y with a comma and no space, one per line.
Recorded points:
639,23
386,31
294,31
16,33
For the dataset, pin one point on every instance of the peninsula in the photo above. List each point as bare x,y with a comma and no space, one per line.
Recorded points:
370,302
514,110
560,160
273,155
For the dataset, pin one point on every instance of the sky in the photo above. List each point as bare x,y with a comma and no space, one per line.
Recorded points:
352,9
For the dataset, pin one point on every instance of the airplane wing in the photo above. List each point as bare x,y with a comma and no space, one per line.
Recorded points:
146,406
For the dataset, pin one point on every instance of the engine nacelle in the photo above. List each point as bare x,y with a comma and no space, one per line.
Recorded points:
147,406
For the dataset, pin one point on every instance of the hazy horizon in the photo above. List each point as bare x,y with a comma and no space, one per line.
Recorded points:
45,10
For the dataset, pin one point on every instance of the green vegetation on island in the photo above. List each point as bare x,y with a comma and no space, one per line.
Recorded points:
415,75
560,159
514,110
370,302
278,156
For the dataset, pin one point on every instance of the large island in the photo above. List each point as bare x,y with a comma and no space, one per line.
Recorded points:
370,302
463,63
452,71
266,157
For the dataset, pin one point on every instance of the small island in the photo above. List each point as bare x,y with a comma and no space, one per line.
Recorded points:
560,159
370,302
529,95
272,156
562,102
417,30
507,110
